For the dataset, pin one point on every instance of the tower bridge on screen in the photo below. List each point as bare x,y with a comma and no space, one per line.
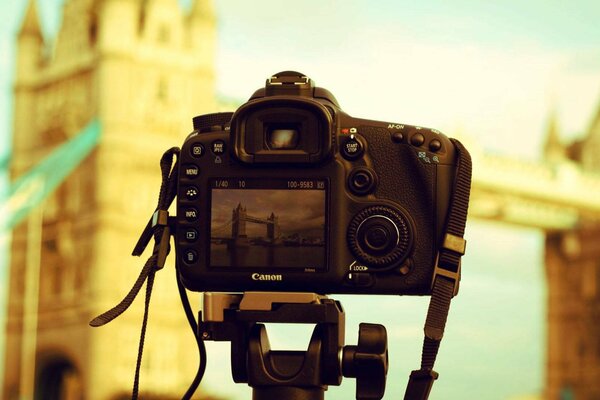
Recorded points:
233,232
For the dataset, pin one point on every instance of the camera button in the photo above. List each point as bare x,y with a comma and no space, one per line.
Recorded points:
397,137
197,150
417,139
218,147
190,256
352,148
191,214
191,193
191,235
361,181
435,145
191,171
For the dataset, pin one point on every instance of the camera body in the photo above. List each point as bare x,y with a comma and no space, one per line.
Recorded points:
291,194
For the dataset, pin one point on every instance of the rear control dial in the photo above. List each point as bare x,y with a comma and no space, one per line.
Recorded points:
380,236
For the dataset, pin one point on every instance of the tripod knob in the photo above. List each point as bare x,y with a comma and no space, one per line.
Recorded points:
367,362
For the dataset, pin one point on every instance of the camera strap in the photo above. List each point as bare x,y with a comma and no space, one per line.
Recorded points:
446,278
157,227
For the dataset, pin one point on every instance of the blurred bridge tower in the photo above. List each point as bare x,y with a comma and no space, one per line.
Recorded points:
573,271
143,69
561,196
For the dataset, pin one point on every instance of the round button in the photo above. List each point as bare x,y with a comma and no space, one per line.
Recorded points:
191,193
377,238
191,171
352,148
191,235
197,150
190,256
397,137
190,214
361,181
417,139
377,235
435,145
218,147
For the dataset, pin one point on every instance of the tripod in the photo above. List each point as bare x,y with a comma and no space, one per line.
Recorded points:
294,375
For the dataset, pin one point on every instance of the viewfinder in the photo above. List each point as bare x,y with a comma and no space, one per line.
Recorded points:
282,137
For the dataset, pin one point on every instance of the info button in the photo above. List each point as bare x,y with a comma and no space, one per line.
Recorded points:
191,214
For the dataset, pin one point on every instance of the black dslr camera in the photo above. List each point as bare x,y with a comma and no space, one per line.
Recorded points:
289,193
288,199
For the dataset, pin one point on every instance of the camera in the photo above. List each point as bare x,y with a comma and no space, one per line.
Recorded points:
290,193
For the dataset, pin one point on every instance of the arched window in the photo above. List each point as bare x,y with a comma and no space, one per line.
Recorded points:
58,379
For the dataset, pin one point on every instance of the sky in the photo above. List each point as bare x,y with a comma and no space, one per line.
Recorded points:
492,72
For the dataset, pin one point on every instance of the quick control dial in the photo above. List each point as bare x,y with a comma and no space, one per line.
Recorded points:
380,236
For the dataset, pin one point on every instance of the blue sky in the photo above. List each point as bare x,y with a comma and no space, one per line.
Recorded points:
489,71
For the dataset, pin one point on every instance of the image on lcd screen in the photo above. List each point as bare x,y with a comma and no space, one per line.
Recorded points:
267,228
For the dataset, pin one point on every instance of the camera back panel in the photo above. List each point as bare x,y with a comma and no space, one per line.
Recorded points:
334,204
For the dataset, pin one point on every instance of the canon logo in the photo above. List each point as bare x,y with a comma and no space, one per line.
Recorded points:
266,277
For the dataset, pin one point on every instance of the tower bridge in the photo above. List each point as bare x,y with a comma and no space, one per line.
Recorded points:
122,49
549,195
237,227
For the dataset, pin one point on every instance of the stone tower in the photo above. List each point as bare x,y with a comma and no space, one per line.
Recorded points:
143,68
573,273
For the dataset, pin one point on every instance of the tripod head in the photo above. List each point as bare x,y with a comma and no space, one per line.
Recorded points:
294,375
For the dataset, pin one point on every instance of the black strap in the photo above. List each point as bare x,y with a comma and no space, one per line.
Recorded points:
446,278
159,228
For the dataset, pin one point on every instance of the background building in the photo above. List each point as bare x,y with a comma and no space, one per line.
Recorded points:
573,276
142,68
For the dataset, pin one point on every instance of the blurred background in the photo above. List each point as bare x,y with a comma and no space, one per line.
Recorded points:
518,82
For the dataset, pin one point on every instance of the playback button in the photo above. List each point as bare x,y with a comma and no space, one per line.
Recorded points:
191,235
